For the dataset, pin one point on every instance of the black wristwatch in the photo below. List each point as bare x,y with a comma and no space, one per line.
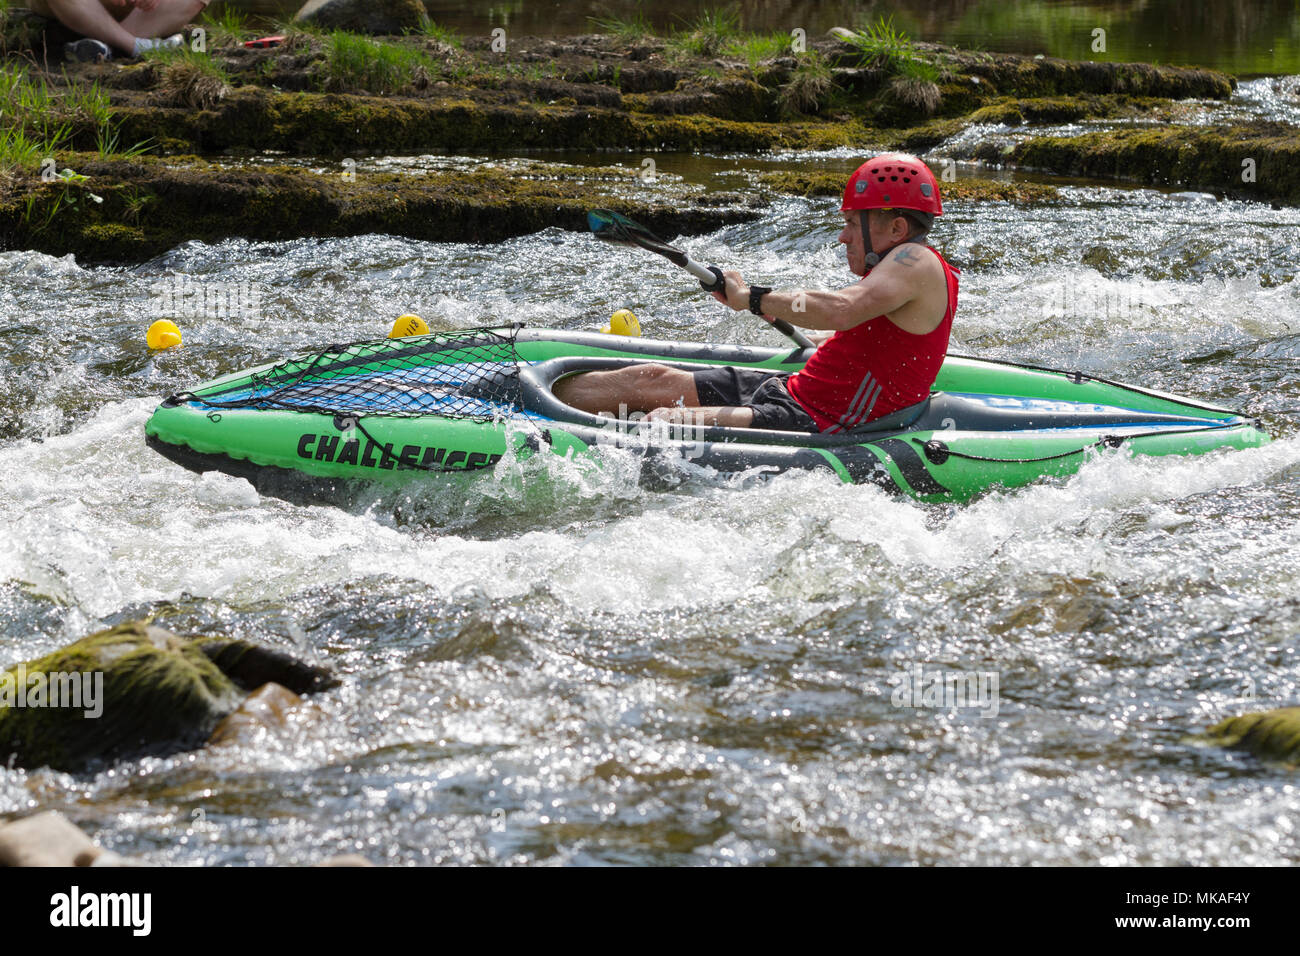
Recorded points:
756,293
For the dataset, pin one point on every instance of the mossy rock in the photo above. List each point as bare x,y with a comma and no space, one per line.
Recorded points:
1005,113
1259,161
1016,75
921,139
1271,734
962,97
340,124
166,204
111,234
887,111
145,691
490,113
730,98
803,184
998,190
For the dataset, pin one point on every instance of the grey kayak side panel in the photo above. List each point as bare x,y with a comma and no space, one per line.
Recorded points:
941,412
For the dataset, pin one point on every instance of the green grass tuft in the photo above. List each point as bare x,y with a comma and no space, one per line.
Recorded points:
86,102
20,150
710,33
300,34
190,79
226,26
107,143
359,63
757,47
632,29
444,35
809,86
915,79
883,46
36,121
920,70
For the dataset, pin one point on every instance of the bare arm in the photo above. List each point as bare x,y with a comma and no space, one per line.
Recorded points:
890,286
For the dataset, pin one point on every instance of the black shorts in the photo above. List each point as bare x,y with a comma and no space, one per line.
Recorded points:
760,389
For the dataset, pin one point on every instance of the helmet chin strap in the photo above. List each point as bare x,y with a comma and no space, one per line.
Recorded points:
871,257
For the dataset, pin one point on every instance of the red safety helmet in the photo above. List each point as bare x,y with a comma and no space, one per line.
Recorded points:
893,181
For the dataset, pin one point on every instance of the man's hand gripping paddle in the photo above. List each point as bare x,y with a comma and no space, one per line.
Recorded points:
612,227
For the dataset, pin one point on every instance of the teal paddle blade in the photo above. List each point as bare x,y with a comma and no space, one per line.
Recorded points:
610,226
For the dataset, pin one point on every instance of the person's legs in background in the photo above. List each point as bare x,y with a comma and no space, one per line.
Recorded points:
91,19
95,20
164,19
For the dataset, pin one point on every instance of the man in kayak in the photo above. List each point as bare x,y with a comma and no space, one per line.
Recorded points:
888,332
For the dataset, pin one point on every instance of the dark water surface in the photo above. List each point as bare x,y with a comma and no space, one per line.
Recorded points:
1245,37
555,664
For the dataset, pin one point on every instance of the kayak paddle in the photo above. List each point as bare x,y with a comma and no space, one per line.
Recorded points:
613,227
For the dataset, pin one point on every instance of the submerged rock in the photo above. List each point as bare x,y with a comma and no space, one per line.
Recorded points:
380,17
51,839
132,690
46,839
267,708
251,667
347,859
1272,734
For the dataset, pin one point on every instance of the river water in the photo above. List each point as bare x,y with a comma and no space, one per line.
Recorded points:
555,664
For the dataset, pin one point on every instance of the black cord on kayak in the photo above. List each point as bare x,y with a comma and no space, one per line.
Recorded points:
937,452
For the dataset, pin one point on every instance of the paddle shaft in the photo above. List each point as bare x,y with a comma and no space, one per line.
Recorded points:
613,227
711,280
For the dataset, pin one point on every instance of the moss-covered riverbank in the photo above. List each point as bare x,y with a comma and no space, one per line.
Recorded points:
1248,161
335,95
595,92
148,205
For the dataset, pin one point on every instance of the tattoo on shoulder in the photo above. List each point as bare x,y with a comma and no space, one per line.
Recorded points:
905,257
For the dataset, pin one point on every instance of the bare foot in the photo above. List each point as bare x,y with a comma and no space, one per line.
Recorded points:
676,416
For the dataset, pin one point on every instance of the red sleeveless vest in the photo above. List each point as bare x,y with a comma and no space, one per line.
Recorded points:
873,369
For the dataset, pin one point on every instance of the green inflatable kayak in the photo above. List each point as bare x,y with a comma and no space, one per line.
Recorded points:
390,409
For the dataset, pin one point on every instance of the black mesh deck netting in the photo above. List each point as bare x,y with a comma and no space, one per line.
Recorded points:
467,373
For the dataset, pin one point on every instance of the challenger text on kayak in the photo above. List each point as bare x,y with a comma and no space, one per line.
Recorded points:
332,448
